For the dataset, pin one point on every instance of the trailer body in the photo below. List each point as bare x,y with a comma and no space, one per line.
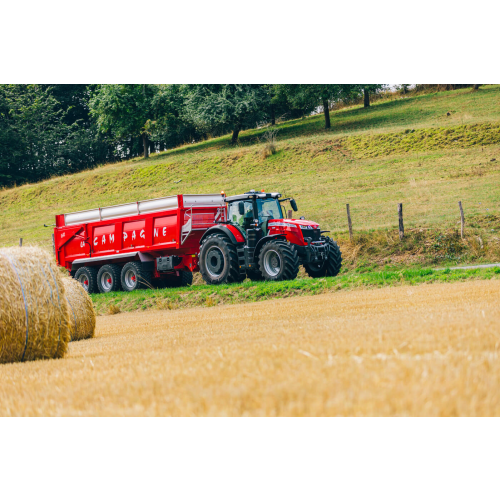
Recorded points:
165,232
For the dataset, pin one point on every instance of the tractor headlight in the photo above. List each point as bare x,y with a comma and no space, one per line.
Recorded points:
306,227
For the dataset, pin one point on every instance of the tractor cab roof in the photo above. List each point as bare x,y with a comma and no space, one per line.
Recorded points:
252,194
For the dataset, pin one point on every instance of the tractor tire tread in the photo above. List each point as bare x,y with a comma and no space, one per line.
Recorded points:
334,262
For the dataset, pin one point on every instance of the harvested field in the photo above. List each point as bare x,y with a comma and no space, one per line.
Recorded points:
430,350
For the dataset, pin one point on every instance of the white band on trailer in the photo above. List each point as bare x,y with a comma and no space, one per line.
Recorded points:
142,207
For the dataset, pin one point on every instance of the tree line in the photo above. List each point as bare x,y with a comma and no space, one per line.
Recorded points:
48,130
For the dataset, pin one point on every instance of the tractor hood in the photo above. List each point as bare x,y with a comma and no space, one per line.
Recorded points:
309,224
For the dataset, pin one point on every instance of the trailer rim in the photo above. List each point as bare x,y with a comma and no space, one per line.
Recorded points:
106,281
130,278
84,281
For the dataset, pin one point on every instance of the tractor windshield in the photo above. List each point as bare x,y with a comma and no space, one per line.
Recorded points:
269,209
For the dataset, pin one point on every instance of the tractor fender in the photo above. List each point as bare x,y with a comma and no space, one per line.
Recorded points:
223,229
264,240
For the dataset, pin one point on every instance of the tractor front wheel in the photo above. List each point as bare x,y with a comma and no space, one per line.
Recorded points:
278,261
329,267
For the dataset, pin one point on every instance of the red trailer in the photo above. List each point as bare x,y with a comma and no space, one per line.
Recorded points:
133,245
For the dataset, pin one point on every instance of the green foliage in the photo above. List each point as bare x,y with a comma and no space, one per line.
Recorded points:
172,125
41,143
222,107
47,131
313,96
123,110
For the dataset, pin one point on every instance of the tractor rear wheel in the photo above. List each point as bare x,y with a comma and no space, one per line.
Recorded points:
87,277
135,275
329,267
108,278
219,261
278,261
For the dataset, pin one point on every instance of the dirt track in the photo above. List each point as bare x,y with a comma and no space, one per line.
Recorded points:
427,350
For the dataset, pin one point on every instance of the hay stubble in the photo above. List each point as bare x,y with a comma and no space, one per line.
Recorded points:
426,350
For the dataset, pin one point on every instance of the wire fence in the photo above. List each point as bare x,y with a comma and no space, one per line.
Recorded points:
368,216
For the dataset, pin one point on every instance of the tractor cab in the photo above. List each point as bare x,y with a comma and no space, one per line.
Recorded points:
254,210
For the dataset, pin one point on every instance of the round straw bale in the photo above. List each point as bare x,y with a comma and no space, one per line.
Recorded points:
81,313
34,312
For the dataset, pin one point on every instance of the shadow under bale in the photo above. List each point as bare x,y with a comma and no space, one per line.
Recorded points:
34,312
81,315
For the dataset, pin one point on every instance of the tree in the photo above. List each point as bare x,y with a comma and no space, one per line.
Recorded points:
282,105
44,142
172,126
124,111
311,95
10,144
222,107
367,89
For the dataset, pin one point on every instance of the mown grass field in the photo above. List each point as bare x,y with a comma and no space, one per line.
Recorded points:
429,350
202,295
427,151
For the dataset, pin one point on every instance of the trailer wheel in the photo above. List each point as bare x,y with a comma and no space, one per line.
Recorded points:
219,261
87,277
278,261
108,278
135,276
330,267
185,278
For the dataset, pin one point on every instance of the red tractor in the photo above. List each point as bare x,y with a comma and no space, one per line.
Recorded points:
257,242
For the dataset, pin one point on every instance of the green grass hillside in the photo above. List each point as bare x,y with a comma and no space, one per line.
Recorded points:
427,151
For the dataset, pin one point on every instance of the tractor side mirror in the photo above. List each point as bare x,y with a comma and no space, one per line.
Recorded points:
241,208
294,205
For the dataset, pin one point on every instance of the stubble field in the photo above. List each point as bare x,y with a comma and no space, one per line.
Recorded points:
429,350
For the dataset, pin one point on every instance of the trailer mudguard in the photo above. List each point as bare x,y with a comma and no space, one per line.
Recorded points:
233,234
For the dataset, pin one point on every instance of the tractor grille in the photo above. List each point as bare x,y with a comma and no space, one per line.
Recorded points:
315,234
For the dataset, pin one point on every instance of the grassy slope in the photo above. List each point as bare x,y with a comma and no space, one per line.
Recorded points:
406,150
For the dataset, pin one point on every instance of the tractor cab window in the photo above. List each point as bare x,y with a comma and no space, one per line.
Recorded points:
269,209
235,217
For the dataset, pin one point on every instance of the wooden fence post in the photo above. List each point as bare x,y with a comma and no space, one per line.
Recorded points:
349,221
462,219
289,214
20,242
54,245
401,225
